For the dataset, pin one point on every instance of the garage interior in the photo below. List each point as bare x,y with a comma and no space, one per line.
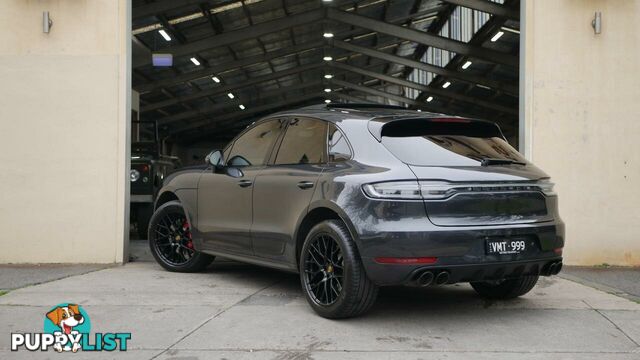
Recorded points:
236,61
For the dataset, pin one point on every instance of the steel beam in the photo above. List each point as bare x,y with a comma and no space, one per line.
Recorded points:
421,37
226,107
228,66
256,110
488,7
472,79
404,100
226,88
247,33
424,88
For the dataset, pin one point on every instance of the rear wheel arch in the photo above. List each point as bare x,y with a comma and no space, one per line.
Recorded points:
315,215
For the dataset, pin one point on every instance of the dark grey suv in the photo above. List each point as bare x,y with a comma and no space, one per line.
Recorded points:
353,197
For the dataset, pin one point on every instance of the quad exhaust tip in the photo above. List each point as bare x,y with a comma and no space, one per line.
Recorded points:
554,268
425,279
442,278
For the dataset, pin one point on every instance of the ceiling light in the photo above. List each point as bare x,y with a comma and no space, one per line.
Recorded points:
216,79
164,34
241,107
419,110
430,98
327,101
327,90
327,0
497,36
328,76
446,85
230,95
328,35
195,61
482,86
327,58
467,64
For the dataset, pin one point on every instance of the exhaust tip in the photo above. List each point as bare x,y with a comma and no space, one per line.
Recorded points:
442,278
556,268
425,279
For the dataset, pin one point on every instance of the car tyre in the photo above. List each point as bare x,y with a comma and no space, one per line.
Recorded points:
167,224
506,289
357,293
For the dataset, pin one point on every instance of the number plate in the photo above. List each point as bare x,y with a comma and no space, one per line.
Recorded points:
506,247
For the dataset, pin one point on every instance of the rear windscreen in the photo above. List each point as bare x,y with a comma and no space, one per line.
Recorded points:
446,142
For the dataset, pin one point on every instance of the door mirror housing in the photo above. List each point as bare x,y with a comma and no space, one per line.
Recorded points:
215,159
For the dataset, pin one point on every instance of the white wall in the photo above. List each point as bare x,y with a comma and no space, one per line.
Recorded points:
64,108
582,121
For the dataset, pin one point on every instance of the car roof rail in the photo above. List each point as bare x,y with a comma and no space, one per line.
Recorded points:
364,106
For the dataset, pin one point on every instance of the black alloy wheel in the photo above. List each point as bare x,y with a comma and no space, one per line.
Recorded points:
172,238
332,276
324,269
171,242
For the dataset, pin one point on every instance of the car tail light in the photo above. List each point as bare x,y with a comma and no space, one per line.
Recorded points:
439,190
558,251
406,260
394,190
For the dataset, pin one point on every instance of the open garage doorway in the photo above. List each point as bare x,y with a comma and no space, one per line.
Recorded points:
203,70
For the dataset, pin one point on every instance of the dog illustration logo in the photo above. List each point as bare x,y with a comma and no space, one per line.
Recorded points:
68,322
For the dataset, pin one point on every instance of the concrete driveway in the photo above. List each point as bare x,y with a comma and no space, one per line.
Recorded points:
237,311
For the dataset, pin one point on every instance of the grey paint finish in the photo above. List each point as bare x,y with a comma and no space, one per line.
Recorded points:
259,224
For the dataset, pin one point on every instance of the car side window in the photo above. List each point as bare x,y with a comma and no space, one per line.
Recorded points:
303,143
338,147
252,148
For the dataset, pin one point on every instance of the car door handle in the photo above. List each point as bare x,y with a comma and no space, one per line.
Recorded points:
245,183
305,184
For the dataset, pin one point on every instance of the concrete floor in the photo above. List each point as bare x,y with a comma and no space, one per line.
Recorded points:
237,311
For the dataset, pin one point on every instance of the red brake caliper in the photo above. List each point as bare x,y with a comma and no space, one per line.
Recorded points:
187,231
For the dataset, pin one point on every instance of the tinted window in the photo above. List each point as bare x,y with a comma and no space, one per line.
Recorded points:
446,142
252,147
303,143
338,146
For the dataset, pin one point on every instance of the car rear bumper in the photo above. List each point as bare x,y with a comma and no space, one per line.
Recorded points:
461,252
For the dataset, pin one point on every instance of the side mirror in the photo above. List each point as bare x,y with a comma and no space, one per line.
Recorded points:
215,159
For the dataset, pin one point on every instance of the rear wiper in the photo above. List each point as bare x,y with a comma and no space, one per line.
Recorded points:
490,161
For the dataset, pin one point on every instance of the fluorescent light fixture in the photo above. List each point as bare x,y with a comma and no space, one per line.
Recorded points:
162,60
327,1
216,79
327,90
482,86
230,95
515,31
467,64
430,98
327,101
497,36
328,76
419,110
328,35
164,34
195,61
241,107
446,85
327,58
